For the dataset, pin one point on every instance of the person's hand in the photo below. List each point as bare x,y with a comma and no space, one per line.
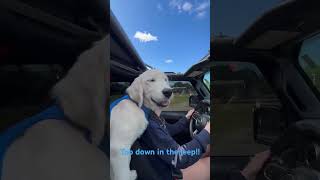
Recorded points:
189,114
207,127
254,166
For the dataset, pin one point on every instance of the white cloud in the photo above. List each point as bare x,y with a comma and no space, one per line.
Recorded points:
145,36
168,61
193,7
187,6
201,9
202,6
177,4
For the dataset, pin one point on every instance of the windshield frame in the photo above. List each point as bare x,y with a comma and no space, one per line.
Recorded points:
207,84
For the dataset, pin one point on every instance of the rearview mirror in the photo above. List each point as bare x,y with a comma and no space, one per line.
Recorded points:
268,123
193,101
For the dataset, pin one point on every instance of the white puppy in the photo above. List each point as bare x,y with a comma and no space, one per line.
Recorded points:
55,149
128,122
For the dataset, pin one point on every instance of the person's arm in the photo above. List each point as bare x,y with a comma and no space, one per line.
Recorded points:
162,141
251,171
181,125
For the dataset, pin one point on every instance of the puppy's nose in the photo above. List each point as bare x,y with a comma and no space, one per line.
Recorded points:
167,92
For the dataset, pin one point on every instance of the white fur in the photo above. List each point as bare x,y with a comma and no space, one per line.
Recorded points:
128,121
52,149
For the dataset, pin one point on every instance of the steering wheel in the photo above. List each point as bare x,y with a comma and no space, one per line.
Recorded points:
197,122
295,155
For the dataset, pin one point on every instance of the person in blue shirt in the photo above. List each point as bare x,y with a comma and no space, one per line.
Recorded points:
158,137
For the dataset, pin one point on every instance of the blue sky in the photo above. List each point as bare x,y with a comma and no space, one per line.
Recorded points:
170,35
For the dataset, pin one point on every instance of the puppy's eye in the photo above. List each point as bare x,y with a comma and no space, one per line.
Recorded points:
151,80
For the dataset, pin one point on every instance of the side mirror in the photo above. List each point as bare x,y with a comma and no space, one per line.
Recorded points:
193,101
268,123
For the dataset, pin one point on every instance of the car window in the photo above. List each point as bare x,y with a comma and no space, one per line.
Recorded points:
237,88
182,90
309,59
206,79
118,89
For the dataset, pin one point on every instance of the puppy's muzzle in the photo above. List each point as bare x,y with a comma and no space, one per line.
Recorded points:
167,92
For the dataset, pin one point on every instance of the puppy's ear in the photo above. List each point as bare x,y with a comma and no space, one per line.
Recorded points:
82,93
135,91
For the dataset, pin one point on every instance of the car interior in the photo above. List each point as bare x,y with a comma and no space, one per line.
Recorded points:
286,121
40,40
126,65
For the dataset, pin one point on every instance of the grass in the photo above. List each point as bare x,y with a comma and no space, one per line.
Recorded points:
180,100
179,103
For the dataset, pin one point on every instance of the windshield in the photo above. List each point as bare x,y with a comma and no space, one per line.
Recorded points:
309,59
206,79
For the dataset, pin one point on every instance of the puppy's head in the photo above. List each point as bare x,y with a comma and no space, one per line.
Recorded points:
152,89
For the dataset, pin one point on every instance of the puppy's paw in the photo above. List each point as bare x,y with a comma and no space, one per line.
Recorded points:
133,175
